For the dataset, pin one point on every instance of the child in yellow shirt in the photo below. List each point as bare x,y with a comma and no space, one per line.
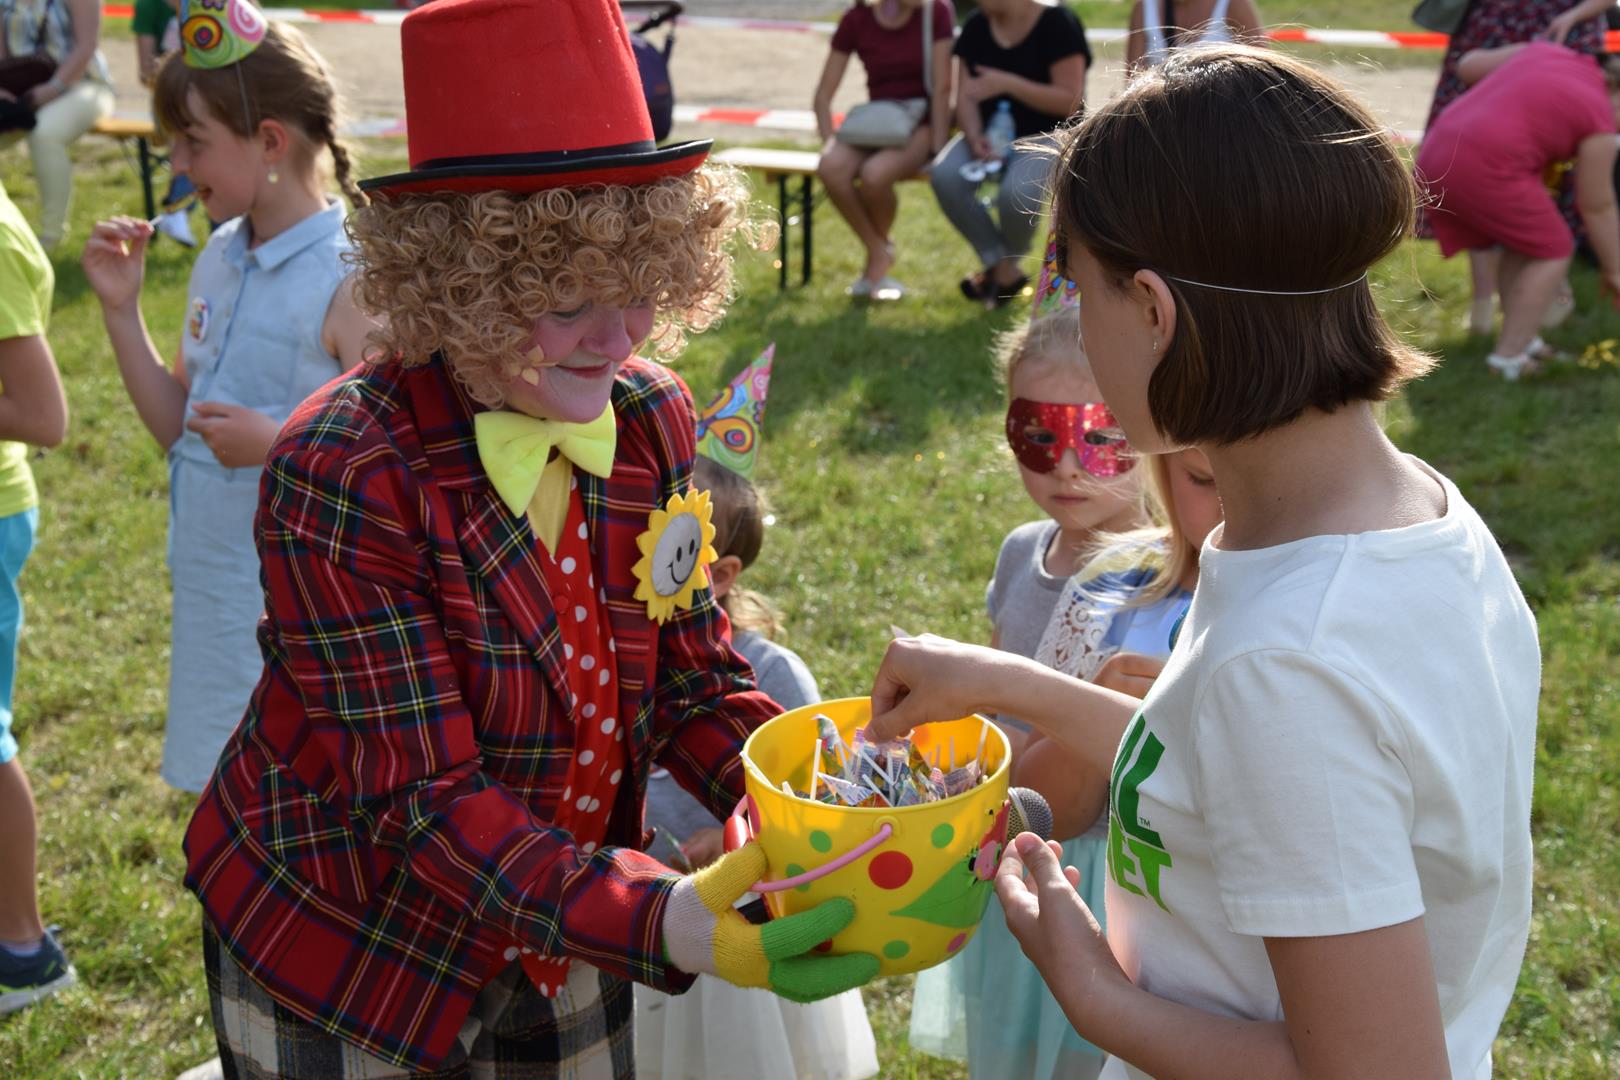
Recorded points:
33,411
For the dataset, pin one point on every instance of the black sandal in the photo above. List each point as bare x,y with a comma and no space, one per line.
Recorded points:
977,286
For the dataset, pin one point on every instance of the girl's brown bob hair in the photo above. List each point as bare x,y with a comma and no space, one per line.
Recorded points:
1244,168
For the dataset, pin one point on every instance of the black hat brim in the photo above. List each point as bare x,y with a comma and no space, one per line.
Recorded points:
522,174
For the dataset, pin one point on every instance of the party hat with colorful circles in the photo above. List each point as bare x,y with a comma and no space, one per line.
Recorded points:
218,33
729,427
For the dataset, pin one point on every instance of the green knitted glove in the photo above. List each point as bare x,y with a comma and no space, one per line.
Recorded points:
703,934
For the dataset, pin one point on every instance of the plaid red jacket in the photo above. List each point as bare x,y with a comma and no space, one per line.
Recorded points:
376,832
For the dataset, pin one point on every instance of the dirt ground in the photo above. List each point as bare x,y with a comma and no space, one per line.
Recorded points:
747,68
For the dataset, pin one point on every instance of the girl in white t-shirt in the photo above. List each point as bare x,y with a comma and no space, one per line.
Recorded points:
1319,858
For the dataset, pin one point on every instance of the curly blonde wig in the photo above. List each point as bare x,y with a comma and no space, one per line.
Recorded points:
468,275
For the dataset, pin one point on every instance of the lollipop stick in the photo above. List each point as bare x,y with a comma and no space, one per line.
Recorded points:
685,864
183,205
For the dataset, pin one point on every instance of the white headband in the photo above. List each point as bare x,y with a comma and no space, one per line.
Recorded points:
1267,292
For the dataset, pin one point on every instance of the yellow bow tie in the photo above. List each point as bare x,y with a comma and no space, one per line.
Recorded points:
515,450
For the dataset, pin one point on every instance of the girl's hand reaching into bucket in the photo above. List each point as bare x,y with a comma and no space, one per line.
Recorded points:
704,934
1053,925
928,679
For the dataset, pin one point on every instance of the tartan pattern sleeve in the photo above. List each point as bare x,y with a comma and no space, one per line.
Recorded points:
706,703
361,634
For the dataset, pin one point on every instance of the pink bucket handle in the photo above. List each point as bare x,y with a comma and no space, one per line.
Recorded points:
740,827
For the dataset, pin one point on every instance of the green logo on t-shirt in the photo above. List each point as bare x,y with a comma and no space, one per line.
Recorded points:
1136,854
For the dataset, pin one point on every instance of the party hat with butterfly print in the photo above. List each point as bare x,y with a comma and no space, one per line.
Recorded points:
218,33
728,429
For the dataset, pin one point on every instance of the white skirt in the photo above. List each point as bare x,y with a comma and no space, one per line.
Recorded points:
716,1031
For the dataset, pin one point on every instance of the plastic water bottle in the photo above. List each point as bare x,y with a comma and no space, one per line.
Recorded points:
1001,130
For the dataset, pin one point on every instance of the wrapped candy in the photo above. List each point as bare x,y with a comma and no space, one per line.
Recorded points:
891,774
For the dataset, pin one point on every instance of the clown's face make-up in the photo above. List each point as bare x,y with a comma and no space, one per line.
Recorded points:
572,361
1039,432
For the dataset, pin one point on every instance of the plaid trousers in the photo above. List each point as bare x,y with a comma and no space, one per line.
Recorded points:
512,1032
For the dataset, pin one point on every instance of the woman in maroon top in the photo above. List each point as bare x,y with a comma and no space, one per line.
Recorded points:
888,37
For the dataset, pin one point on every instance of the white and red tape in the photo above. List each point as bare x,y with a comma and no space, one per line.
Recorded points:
1357,39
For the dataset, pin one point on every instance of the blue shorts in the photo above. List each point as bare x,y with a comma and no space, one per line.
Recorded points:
16,541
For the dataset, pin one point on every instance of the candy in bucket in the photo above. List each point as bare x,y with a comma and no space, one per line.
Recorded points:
893,773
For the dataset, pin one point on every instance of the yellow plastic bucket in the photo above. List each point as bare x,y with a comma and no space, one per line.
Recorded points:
919,876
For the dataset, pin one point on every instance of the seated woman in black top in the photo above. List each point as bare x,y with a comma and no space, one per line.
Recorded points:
1034,58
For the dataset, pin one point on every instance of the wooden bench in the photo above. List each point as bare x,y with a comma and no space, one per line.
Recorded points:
144,132
784,166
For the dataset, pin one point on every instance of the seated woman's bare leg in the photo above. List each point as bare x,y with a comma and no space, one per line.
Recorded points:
840,166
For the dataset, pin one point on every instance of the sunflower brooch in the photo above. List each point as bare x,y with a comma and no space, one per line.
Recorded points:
676,550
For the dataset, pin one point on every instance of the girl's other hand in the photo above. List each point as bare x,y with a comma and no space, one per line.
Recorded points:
980,145
239,437
1052,923
703,847
1129,673
114,260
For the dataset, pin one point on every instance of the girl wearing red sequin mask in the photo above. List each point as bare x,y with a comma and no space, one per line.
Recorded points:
1072,457
1077,468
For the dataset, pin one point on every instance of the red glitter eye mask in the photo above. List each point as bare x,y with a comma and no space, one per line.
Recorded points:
1039,432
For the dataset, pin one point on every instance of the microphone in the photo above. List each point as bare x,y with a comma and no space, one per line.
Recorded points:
1027,811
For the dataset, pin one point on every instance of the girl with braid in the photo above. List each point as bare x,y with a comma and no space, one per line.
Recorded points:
249,109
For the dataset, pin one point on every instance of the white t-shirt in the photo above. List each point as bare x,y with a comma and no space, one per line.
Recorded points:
1342,740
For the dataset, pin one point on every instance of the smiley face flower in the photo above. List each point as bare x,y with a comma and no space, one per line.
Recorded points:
676,550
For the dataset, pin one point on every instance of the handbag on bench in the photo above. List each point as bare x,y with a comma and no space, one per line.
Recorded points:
20,74
876,125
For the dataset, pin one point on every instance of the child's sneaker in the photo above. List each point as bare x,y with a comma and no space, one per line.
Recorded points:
26,979
176,225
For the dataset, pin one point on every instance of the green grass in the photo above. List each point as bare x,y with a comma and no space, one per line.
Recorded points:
1321,14
892,488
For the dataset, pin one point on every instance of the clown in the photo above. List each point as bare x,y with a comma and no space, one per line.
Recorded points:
421,847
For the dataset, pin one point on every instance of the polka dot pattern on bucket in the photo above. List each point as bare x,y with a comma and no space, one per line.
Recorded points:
890,870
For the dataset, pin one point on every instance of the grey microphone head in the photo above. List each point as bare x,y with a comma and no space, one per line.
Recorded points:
1027,812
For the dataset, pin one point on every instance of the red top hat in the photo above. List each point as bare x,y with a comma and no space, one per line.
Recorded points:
524,95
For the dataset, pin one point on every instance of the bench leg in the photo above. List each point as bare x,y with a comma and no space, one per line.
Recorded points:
804,195
782,232
146,177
